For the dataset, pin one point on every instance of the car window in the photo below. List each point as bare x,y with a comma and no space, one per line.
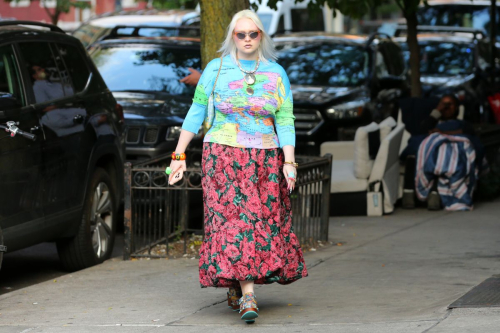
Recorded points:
144,68
441,58
327,64
88,34
467,16
281,24
75,65
11,94
46,80
380,67
393,58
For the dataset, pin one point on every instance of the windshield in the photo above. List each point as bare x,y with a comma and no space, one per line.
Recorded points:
146,69
439,58
326,64
467,16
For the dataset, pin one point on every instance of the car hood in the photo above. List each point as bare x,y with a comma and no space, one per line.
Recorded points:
445,80
324,96
153,108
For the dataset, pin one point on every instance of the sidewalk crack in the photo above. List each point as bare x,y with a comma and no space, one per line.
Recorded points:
447,314
200,309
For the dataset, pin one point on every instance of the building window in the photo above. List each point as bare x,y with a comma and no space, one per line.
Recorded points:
48,3
129,3
20,3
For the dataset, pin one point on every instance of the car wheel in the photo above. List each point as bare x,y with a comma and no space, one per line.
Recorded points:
95,238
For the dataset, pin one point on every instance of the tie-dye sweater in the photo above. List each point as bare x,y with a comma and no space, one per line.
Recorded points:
243,120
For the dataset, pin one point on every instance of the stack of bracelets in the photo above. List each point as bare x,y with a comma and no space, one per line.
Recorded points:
291,175
178,157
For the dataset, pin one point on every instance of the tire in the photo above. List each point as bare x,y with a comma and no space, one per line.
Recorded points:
94,241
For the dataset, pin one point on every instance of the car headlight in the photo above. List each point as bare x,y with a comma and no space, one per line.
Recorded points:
346,111
173,133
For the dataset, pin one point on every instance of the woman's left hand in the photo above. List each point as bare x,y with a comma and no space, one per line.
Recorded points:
288,170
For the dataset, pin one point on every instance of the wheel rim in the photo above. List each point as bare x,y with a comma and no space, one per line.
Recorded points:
101,220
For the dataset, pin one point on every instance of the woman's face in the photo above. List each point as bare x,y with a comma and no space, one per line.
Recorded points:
248,46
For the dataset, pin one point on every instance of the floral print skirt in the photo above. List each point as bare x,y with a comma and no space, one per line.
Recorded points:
248,219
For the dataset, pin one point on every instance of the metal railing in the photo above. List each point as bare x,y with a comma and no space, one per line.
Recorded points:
166,221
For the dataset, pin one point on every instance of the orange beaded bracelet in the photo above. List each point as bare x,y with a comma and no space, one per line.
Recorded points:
178,157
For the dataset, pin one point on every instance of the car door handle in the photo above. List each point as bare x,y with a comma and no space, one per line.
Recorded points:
78,119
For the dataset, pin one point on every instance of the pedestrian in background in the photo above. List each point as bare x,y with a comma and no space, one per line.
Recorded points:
248,167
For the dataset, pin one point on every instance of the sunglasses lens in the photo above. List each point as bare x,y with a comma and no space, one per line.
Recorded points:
240,35
254,34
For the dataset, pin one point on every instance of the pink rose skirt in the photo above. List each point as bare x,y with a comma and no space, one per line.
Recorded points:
248,219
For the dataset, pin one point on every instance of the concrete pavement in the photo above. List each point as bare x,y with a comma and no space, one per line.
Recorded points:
396,273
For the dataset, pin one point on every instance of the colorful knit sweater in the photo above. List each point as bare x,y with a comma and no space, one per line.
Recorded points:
243,120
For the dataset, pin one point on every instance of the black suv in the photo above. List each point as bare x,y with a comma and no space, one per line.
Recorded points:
62,153
143,73
340,82
453,61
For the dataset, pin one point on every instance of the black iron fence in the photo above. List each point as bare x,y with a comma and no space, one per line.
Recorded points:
166,221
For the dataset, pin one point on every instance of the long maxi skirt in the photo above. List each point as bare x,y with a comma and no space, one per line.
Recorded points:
248,219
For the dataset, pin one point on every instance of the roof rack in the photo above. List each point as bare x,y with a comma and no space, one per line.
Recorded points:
52,27
445,29
135,32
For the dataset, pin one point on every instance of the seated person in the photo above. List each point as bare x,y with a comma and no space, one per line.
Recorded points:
446,112
443,120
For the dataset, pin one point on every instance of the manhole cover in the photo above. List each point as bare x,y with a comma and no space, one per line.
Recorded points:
484,295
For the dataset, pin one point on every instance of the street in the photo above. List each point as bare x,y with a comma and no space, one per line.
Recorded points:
396,273
37,264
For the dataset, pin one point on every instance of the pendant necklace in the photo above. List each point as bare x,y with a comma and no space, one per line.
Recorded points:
249,76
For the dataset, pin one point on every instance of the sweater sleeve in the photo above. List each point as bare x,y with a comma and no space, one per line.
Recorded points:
285,128
196,113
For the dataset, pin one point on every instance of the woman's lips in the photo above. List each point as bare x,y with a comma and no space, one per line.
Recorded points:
248,46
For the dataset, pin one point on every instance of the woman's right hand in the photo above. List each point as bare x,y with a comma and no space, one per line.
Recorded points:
178,168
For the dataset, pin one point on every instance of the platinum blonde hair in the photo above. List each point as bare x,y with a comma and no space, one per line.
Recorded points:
266,48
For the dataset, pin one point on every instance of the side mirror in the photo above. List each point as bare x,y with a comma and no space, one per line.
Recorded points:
7,102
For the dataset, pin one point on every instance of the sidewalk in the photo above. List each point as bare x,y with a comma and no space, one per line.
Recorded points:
396,273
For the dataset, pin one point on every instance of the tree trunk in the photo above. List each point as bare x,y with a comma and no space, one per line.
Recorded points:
54,18
411,39
215,17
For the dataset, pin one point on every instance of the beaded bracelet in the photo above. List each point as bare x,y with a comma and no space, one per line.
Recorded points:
292,163
178,157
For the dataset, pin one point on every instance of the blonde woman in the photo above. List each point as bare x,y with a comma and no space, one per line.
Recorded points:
248,168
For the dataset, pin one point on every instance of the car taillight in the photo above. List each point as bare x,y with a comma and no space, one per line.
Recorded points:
119,112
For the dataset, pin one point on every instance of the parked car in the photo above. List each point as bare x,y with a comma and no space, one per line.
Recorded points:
458,13
96,28
452,61
62,156
340,82
143,75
